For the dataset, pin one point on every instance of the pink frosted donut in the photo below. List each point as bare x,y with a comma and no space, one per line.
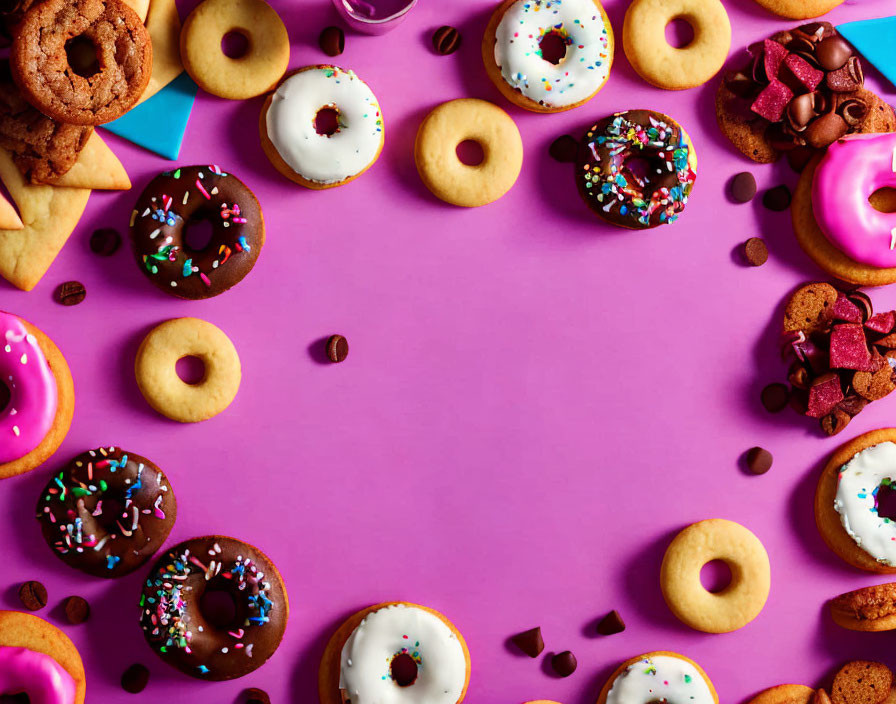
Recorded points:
852,169
39,676
31,411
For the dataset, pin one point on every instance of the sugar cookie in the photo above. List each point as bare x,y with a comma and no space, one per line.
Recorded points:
163,388
456,121
784,694
734,606
663,65
397,652
514,59
799,9
258,71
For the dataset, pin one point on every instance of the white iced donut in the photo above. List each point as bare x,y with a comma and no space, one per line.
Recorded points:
289,132
858,484
659,677
368,670
518,60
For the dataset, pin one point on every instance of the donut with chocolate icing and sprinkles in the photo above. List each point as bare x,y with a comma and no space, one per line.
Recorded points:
214,607
175,201
636,169
107,512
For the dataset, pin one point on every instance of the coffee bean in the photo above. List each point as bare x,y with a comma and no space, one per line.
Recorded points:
564,149
105,241
755,251
71,293
564,663
446,40
777,198
332,41
775,397
610,624
253,695
530,642
742,187
337,348
833,52
33,595
759,460
135,678
77,610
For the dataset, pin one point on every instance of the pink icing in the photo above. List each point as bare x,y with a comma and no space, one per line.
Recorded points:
29,415
39,676
854,168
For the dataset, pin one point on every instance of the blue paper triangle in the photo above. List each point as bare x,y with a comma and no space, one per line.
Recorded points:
158,124
876,41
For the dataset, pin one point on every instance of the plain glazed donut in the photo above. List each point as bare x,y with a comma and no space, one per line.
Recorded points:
37,397
663,65
511,51
734,606
182,634
107,512
39,660
660,676
395,653
456,121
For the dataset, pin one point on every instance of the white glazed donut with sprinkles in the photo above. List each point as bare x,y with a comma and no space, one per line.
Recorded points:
661,676
533,74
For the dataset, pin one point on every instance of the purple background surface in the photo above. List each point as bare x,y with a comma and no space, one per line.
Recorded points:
533,405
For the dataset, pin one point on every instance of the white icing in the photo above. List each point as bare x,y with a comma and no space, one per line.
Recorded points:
317,157
856,501
367,655
660,678
588,53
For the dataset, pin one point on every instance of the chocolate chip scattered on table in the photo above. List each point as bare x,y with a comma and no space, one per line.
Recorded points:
33,595
530,642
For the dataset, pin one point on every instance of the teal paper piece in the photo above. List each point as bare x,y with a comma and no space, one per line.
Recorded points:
875,40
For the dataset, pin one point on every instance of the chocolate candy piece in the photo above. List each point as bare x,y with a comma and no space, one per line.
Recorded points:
135,678
253,695
530,642
564,149
332,41
610,624
847,78
77,610
833,52
337,348
71,293
33,595
777,198
853,111
826,130
835,421
759,460
446,40
755,251
742,187
564,663
862,300
105,241
775,397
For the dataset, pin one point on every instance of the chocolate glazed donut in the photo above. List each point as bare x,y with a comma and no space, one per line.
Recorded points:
175,200
107,512
214,607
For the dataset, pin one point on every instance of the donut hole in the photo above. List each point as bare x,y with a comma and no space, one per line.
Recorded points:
640,168
82,56
470,153
679,33
218,607
884,200
886,501
5,396
235,44
326,121
113,513
403,669
553,47
190,370
198,233
715,576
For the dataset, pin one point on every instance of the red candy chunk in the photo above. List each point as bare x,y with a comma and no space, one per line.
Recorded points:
849,350
772,101
882,322
845,309
773,56
803,72
824,394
